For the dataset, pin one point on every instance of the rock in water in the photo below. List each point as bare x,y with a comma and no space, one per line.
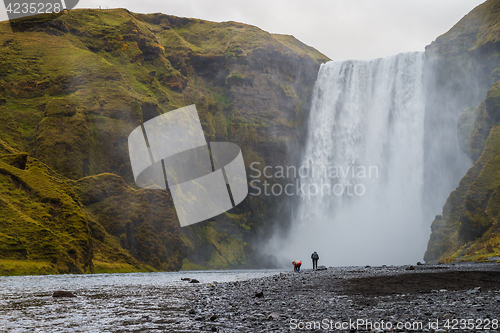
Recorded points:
274,315
186,279
474,291
194,281
62,293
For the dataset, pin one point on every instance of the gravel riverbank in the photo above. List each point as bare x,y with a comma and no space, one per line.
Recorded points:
425,298
441,298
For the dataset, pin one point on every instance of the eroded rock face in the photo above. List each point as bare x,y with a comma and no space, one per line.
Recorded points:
16,160
42,219
466,66
81,100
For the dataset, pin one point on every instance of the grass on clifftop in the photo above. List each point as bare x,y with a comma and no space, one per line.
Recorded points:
478,29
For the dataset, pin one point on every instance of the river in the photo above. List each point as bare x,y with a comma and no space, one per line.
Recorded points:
152,302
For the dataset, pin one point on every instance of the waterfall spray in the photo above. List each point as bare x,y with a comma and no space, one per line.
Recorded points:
366,117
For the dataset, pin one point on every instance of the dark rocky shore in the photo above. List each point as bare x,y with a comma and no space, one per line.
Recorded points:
425,298
428,298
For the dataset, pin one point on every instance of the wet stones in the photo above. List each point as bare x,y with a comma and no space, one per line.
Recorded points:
332,294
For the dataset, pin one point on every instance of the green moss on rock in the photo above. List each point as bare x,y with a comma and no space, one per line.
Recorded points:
73,86
42,220
465,63
473,208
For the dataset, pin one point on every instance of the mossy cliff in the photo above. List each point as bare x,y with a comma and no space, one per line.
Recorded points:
40,217
72,88
467,60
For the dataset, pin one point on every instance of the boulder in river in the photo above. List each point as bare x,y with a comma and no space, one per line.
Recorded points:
474,291
274,315
62,293
194,281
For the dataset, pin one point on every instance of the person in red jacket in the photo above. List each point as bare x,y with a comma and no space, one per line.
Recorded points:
296,265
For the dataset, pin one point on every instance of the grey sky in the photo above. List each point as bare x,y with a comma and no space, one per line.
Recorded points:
341,29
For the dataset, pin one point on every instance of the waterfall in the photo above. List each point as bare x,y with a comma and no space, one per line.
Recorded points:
363,165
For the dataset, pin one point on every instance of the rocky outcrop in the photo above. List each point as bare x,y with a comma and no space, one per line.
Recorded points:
460,69
41,219
73,93
467,65
63,293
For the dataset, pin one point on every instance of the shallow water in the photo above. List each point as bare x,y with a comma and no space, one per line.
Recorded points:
153,302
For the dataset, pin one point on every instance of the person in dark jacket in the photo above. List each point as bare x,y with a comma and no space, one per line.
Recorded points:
315,258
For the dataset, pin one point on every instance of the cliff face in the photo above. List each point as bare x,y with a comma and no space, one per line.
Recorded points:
72,88
466,62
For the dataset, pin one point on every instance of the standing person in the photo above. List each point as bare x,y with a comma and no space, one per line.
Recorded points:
315,258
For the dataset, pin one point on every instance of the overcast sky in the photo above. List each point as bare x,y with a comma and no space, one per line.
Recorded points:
341,29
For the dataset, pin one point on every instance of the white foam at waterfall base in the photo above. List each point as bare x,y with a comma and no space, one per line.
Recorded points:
364,114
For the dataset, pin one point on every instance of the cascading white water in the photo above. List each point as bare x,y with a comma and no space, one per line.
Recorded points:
361,199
